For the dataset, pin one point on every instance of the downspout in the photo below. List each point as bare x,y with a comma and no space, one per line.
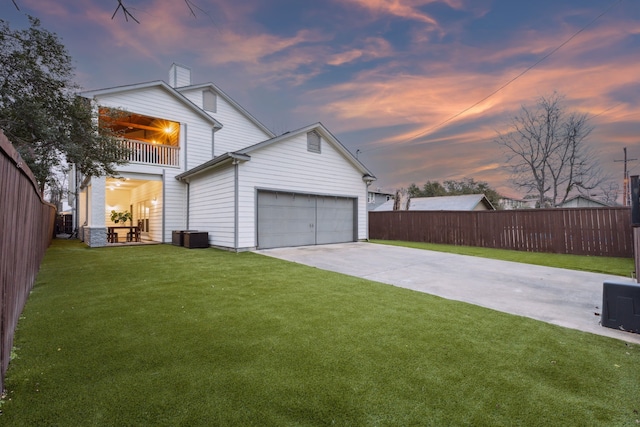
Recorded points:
366,208
185,168
368,179
236,220
188,204
76,203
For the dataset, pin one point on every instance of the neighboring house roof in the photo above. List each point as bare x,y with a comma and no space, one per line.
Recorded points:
154,84
466,202
582,201
230,101
244,154
386,206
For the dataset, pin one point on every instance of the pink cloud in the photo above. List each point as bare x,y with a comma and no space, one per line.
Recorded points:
407,9
373,47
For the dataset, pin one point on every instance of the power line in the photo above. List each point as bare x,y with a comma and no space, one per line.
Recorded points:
504,85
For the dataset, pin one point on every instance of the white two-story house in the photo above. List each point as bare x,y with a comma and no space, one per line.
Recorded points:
199,161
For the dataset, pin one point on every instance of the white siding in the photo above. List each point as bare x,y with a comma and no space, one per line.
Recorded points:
175,204
211,197
288,166
157,102
237,132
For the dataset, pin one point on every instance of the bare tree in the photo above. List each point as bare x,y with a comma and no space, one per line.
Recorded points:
401,200
547,151
126,12
609,192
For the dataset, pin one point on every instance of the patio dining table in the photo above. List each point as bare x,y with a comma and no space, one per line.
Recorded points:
133,235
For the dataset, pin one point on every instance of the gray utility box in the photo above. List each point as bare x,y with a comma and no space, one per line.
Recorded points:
196,239
177,236
621,306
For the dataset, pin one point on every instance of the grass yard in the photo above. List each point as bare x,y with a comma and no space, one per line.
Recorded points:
607,265
167,336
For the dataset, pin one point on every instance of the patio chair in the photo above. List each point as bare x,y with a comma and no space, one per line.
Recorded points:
133,235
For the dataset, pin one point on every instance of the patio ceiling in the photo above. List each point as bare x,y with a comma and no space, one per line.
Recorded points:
122,183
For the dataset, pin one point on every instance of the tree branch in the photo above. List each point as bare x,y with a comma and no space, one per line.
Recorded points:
125,12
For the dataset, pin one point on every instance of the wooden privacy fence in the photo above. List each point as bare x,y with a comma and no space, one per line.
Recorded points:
26,230
578,231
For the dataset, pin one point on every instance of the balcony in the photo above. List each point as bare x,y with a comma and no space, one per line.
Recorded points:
152,154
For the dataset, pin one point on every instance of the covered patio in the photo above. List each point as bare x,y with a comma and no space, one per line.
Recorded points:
133,209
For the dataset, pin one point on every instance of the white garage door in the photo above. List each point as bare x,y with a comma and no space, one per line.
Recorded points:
293,219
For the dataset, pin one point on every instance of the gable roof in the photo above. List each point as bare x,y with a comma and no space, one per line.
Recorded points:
244,154
465,202
230,101
588,200
324,132
155,84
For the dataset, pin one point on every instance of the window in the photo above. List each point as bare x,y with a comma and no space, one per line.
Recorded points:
313,141
371,198
209,101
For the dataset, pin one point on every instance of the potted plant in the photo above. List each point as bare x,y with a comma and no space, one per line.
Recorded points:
121,217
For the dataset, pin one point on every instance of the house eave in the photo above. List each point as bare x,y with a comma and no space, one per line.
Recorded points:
212,164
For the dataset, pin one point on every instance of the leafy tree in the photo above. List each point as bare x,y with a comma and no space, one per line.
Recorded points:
40,112
429,189
455,188
547,151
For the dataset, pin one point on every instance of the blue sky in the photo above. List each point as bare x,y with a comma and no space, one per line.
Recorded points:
386,77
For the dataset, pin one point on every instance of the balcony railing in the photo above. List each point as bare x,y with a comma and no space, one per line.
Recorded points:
152,154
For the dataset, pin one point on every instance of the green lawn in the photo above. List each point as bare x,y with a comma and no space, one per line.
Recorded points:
162,335
607,265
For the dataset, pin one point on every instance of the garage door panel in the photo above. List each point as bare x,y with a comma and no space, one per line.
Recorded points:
285,220
335,220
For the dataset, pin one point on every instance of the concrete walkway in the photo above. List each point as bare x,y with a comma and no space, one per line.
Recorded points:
567,298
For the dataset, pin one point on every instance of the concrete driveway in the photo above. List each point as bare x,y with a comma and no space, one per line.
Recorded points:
567,298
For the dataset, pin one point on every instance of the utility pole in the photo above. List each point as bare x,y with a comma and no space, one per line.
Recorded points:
626,195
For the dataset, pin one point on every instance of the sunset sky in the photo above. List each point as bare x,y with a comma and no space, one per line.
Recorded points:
398,81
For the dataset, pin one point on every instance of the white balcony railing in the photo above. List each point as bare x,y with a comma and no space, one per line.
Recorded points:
152,154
